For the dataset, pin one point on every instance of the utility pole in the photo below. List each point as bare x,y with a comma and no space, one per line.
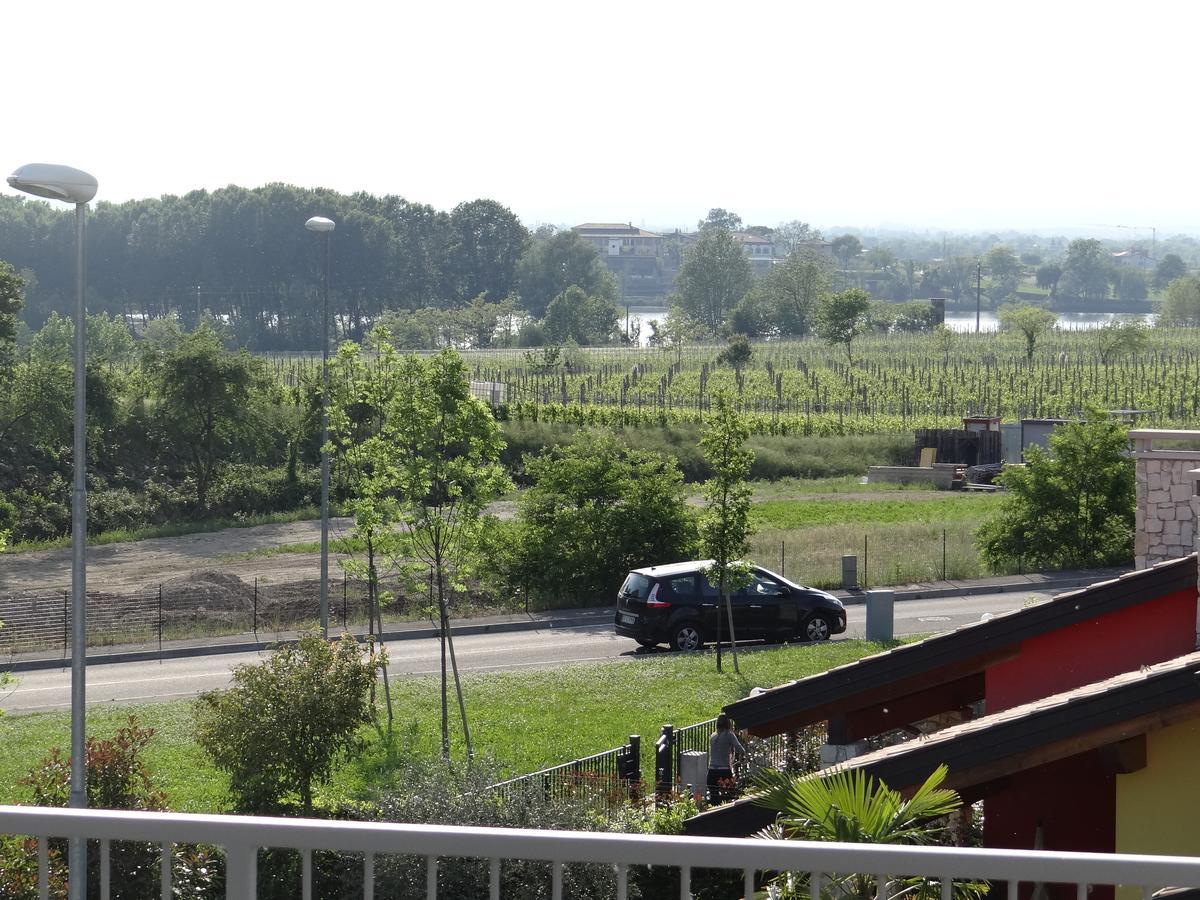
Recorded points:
978,292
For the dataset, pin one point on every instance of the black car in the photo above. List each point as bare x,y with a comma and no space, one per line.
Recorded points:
675,604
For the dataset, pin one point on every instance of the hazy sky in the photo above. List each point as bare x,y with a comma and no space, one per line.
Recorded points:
966,115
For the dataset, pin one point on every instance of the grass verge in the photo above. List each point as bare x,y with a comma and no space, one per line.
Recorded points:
524,720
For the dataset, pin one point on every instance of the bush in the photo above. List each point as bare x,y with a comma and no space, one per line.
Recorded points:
117,778
596,509
250,490
284,724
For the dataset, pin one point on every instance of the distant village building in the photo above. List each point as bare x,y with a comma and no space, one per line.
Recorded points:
619,239
634,256
1135,258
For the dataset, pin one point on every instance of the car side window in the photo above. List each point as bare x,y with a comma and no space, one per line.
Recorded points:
762,586
681,586
707,591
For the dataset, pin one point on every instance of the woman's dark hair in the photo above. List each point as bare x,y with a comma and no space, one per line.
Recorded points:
723,722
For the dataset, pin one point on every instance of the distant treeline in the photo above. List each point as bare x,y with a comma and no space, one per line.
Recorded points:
245,257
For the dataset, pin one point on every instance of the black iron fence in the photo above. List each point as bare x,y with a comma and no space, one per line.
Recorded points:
605,782
601,782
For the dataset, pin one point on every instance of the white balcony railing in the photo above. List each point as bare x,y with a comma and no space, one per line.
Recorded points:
241,837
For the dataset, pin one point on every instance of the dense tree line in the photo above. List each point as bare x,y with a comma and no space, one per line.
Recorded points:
244,256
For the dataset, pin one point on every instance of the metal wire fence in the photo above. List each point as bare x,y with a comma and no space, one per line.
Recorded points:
203,606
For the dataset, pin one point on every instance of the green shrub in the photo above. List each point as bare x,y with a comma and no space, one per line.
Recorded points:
284,724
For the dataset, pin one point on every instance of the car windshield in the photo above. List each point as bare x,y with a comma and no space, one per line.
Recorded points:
636,586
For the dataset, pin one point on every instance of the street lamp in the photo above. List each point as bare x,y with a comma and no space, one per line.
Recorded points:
73,186
324,227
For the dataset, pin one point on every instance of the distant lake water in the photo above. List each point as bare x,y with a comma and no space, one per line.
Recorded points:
1066,321
956,320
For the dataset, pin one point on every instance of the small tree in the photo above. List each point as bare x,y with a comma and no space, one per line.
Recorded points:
1030,322
1071,507
284,724
842,317
725,522
1120,337
737,352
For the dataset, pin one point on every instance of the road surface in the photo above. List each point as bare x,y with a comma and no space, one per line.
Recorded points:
172,679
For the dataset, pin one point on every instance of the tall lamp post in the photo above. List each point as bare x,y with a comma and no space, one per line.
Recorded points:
73,186
324,227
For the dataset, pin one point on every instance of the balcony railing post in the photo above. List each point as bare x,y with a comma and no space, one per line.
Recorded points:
241,872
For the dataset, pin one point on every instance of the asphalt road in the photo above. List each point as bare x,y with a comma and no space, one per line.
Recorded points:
147,682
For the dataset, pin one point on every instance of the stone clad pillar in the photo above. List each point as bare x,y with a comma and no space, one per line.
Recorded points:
1165,523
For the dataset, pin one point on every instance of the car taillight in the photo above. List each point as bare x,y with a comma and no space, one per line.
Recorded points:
652,601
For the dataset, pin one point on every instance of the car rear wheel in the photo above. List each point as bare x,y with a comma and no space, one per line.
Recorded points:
817,628
687,637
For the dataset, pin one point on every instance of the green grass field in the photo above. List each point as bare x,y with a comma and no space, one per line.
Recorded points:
523,720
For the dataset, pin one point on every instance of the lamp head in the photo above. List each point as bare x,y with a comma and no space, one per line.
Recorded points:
320,223
54,182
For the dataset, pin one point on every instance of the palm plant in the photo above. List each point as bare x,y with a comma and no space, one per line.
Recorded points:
849,806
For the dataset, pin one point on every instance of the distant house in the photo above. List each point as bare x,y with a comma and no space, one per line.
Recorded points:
635,258
1133,258
620,239
759,250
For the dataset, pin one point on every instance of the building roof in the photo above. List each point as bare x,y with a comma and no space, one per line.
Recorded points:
953,658
1100,714
613,228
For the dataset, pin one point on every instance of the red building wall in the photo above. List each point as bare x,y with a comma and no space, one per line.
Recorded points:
1074,800
1147,633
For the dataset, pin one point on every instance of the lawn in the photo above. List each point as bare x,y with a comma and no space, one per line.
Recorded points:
523,720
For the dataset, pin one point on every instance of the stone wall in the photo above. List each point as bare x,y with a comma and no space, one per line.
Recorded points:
1165,527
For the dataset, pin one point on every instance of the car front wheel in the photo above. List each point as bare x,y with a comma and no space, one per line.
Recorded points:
688,637
816,628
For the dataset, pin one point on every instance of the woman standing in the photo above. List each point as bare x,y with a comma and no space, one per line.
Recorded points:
724,748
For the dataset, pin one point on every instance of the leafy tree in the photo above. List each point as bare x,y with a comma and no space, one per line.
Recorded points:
486,243
1031,259
851,807
713,277
1181,303
842,317
1047,276
12,298
553,264
1170,267
1030,322
284,724
725,522
720,218
205,408
675,333
1071,507
846,249
1120,337
1005,273
880,258
1131,284
575,316
1085,273
789,236
792,290
594,510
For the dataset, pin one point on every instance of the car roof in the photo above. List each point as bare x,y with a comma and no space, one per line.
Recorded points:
679,568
